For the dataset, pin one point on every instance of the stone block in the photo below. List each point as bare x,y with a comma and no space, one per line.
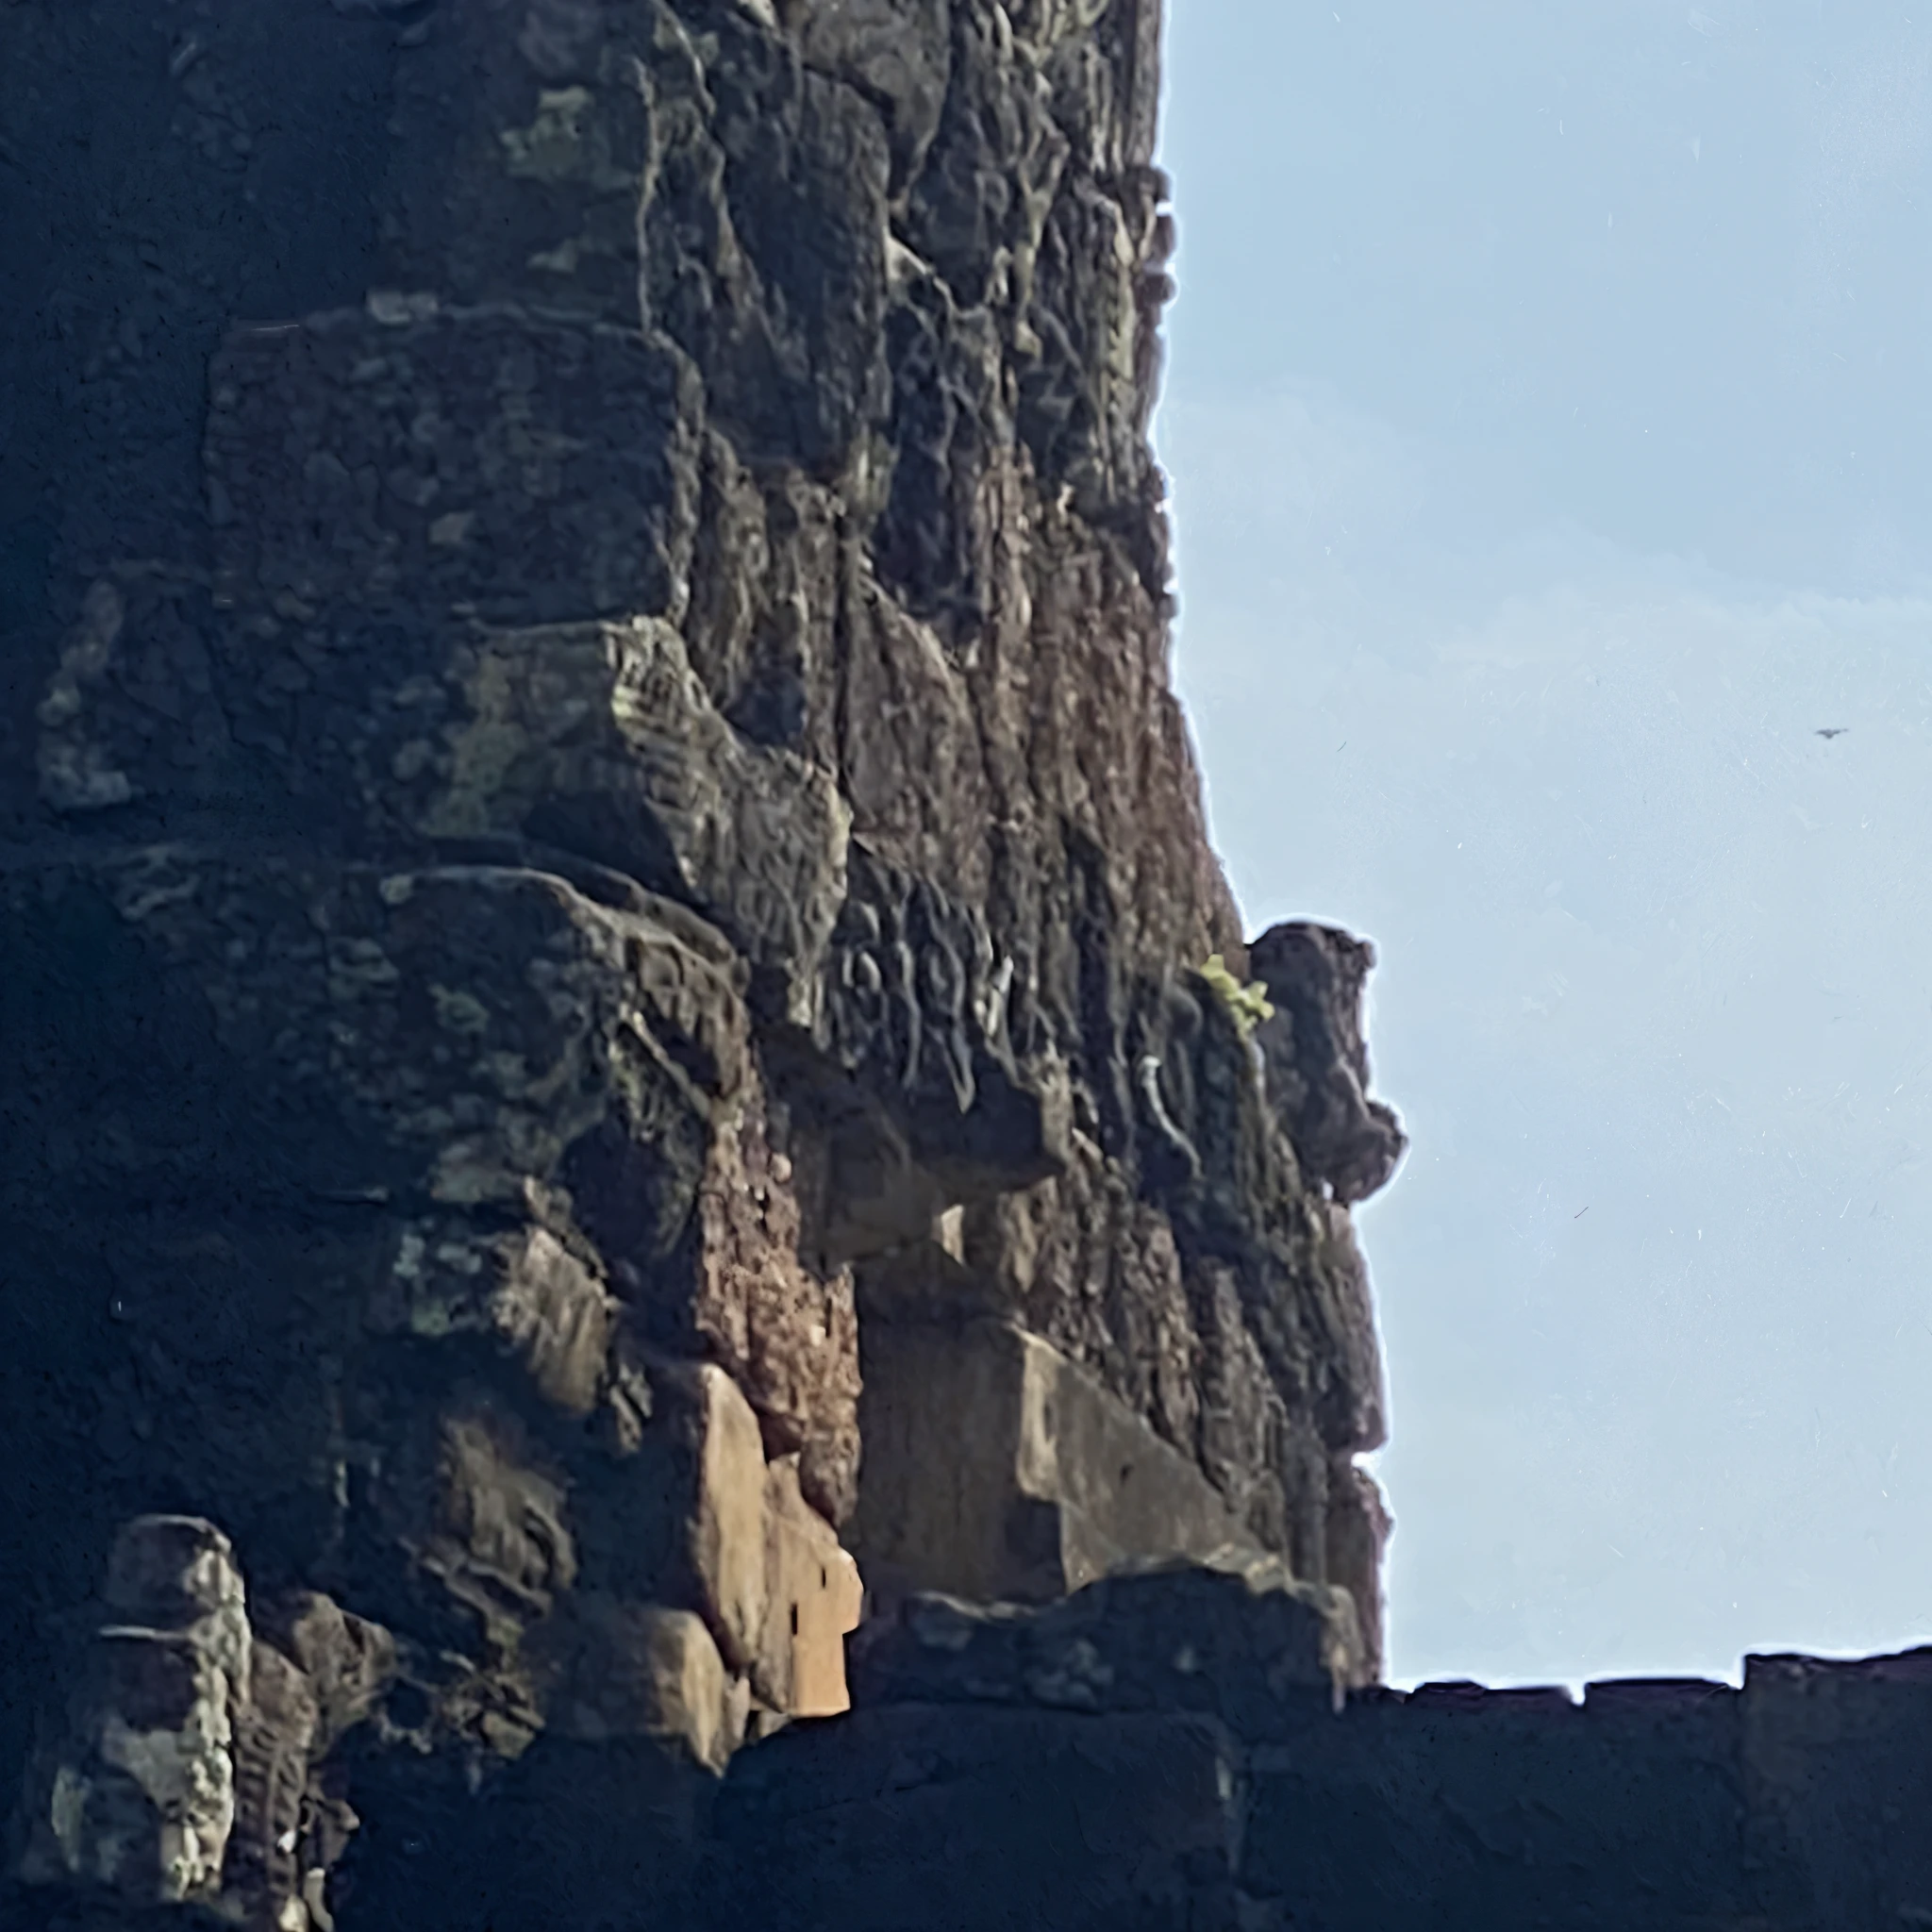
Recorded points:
545,1307
1461,1806
813,1596
1238,1640
137,1798
727,1534
597,739
449,1037
601,738
1837,1770
520,155
609,1669
677,1516
407,461
1051,1481
954,1819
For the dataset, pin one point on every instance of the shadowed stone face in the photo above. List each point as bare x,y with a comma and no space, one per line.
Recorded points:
598,926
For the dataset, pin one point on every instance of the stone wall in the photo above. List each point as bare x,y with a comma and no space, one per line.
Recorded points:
1168,1752
605,908
624,1054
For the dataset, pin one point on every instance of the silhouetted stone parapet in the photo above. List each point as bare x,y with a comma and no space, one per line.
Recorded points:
1786,1805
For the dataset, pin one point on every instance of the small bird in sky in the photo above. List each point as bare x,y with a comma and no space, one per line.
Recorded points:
1831,731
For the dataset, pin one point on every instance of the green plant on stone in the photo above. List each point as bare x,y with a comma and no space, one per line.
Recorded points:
1248,1005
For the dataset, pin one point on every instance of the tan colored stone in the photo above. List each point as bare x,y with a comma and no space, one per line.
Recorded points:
349,1661
813,1596
726,1534
610,1669
996,1468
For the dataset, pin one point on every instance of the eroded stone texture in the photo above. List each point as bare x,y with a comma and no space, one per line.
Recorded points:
598,850
1234,1635
138,1800
1318,1062
190,1766
400,454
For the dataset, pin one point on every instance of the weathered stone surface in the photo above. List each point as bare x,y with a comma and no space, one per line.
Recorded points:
1357,1530
998,1469
348,1661
400,456
519,151
916,1014
189,1766
274,1740
611,1669
598,846
1317,1063
899,55
597,739
138,1800
602,739
700,1520
306,980
1237,1636
788,1334
596,842
749,153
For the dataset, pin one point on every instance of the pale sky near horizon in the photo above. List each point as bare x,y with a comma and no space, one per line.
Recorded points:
1548,416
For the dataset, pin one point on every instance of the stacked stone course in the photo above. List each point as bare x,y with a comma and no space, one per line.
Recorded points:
602,902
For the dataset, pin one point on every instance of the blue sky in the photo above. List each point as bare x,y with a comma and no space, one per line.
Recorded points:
1548,416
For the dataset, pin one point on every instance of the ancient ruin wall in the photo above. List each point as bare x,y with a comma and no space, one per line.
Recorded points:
605,898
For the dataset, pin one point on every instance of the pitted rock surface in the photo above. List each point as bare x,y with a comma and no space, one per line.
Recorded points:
597,864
